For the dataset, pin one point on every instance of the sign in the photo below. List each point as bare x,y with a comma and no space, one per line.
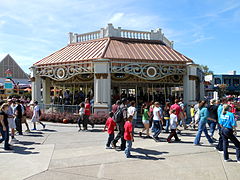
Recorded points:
8,85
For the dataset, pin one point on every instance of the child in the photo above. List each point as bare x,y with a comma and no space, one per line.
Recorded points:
128,136
110,125
173,126
81,114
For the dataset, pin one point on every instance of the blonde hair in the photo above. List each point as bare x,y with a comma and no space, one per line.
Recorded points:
225,109
3,106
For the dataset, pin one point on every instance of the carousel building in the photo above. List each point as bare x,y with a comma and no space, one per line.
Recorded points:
112,63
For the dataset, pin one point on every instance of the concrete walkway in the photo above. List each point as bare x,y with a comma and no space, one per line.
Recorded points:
61,152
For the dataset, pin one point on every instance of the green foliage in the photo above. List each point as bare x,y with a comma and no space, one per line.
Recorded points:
206,70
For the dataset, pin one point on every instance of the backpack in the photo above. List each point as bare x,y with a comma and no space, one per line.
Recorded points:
118,115
197,116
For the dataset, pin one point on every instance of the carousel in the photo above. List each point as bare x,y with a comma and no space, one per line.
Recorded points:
112,63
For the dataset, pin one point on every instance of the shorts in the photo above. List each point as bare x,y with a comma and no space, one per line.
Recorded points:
145,121
24,119
11,123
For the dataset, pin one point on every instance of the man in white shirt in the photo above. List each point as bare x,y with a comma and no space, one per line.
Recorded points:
157,121
132,111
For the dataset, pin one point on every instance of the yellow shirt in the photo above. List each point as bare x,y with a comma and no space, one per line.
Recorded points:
192,112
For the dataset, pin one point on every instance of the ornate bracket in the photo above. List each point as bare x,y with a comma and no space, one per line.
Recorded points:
64,72
148,71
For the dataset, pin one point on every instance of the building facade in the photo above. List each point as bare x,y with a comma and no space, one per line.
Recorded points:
112,63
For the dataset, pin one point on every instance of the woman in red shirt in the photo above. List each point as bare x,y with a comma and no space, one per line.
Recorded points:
87,113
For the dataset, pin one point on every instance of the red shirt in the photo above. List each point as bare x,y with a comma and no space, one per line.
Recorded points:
110,125
177,108
87,110
114,108
127,131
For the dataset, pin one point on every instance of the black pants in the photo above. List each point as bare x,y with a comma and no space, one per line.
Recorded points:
18,122
5,137
172,133
228,134
85,121
110,138
120,135
220,140
80,120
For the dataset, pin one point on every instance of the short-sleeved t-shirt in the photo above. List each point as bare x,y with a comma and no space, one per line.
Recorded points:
204,114
145,115
132,111
173,121
177,108
87,109
227,120
5,120
127,131
155,113
110,125
219,110
19,111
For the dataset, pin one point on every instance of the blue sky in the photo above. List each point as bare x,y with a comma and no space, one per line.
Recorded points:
207,31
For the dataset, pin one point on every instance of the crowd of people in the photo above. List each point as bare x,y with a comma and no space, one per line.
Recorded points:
12,116
219,115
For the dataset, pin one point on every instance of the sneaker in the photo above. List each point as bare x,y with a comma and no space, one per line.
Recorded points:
27,130
8,149
113,145
79,130
34,129
169,141
108,147
228,160
220,152
129,156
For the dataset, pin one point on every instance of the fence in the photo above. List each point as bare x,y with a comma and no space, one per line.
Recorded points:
53,108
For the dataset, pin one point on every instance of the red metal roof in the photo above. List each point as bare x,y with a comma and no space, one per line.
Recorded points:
115,49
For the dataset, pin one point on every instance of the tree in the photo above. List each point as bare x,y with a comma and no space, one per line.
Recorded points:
206,70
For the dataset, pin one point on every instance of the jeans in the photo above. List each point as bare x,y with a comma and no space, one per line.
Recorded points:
173,133
18,122
5,137
228,134
212,126
110,138
202,128
120,135
167,125
157,128
220,140
128,148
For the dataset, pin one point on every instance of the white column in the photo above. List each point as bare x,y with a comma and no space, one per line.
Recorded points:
36,85
46,91
189,85
102,86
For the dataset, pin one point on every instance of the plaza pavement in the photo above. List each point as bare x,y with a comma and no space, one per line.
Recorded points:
61,152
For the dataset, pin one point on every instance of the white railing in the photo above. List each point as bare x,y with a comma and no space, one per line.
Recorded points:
110,31
135,34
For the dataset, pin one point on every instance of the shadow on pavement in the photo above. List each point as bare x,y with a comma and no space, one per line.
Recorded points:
23,150
49,130
27,143
146,154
